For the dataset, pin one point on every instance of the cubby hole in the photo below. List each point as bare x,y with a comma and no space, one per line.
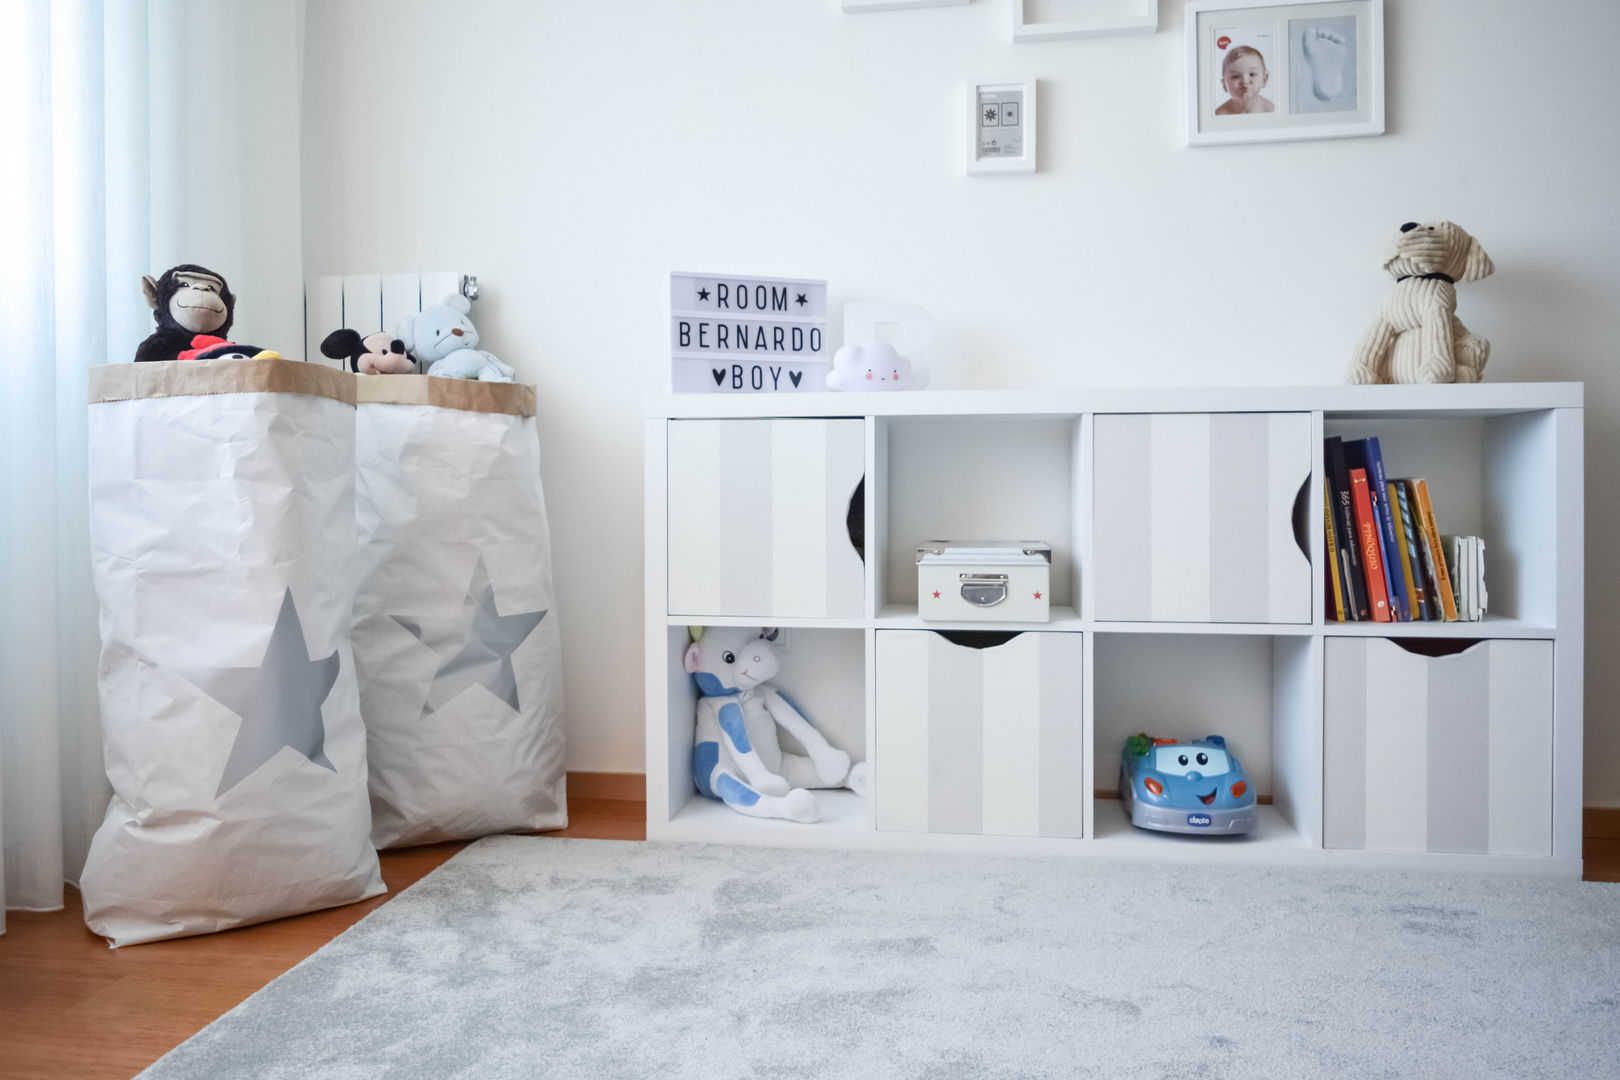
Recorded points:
984,478
824,672
1491,476
1258,691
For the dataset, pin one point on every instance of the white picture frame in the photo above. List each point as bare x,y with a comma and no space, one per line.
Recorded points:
857,7
1016,102
1059,20
1319,65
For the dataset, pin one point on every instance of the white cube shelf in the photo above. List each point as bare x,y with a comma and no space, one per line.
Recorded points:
1188,599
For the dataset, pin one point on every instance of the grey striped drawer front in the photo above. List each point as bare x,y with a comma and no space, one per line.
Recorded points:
758,515
1193,517
979,740
1442,754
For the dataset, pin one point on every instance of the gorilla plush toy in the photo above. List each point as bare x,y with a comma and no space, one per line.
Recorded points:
186,301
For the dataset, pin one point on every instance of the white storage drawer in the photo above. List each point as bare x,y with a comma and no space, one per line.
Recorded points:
1195,517
759,518
979,740
1444,754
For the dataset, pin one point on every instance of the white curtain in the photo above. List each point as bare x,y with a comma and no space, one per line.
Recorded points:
138,134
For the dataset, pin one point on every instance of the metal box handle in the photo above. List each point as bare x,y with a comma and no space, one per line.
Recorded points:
984,590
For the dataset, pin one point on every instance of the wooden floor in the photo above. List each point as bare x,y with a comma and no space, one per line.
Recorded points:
70,1007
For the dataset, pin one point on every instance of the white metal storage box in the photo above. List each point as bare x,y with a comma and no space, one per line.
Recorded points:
990,580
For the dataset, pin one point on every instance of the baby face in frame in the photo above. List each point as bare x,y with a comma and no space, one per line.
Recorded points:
1243,77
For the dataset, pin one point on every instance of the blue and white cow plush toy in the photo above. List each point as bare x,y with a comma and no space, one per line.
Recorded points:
736,757
446,342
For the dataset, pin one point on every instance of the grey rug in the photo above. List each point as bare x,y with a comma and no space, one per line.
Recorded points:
534,957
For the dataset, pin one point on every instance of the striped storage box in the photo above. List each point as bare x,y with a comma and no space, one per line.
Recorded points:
980,740
1195,517
1449,753
759,518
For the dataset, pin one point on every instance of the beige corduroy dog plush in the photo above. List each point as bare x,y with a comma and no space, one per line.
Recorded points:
1417,337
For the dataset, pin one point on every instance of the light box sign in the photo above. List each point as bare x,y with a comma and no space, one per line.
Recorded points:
747,335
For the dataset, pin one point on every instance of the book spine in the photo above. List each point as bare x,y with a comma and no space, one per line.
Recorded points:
1344,532
1367,539
1335,588
1454,567
1436,553
1403,537
1414,540
1399,605
1355,457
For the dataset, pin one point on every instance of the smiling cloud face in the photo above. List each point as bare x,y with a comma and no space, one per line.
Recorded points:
871,365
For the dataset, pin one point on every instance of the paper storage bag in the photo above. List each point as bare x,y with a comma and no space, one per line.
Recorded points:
223,543
455,633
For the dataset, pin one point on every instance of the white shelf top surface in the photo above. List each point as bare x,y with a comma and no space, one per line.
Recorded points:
904,617
1346,402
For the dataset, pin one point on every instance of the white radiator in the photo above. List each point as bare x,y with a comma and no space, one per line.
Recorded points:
370,302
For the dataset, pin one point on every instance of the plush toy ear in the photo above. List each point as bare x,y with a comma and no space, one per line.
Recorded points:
149,287
769,633
341,344
457,302
1477,265
691,660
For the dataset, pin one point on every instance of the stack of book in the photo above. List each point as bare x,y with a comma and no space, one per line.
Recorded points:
1387,559
1465,562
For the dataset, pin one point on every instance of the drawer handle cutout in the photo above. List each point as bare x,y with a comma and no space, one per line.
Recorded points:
1302,516
1435,647
855,519
978,639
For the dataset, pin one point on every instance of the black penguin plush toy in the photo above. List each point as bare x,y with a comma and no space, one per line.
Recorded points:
186,301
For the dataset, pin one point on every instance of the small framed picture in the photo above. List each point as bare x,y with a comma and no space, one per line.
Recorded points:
1055,20
1270,70
1001,127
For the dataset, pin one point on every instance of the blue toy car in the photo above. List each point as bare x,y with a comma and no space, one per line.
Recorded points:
1195,787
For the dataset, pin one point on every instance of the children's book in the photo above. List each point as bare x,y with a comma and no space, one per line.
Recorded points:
1434,557
1411,569
1400,604
1367,540
1456,549
1335,589
1426,557
1356,456
1352,577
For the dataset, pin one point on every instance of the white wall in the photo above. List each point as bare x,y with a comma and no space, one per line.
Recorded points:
572,153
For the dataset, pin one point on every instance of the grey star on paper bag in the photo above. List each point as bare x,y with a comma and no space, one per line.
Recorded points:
475,648
279,701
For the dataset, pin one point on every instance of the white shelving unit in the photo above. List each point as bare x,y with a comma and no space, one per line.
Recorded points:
1487,749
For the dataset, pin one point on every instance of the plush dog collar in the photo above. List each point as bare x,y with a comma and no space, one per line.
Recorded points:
1447,278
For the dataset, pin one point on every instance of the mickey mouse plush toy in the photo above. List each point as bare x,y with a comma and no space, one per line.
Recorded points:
186,301
375,354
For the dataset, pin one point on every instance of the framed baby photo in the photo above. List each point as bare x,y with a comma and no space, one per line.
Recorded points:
1272,70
